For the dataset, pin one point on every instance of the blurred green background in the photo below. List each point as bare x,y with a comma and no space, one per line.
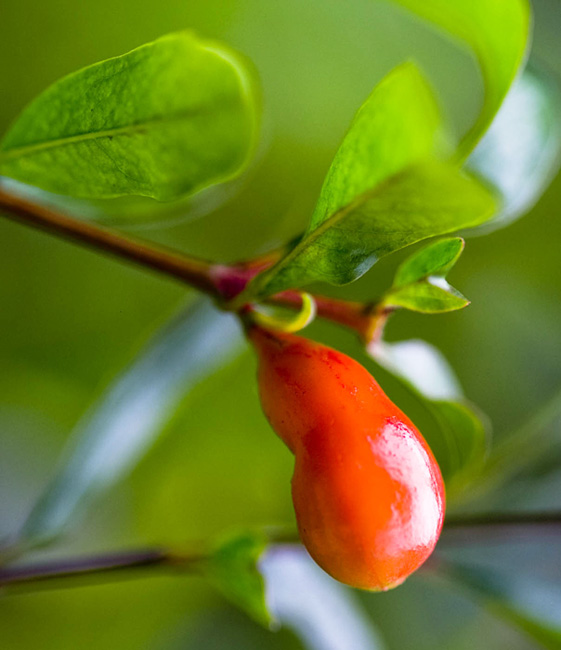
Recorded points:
71,319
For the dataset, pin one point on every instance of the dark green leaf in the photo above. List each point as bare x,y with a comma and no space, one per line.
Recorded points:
233,569
423,201
108,442
396,126
459,439
497,31
532,605
432,296
162,121
520,153
437,258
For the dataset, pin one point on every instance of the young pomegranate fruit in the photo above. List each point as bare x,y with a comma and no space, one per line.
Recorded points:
367,491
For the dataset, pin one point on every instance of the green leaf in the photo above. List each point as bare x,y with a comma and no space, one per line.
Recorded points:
281,585
426,297
523,447
419,283
532,605
162,121
396,126
423,201
459,439
437,258
120,429
233,569
521,151
497,32
464,431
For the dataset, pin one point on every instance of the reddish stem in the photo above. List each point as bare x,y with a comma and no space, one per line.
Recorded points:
366,320
193,272
222,282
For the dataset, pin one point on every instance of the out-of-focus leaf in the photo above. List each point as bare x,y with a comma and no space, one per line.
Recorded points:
497,32
523,447
520,152
437,258
162,121
396,126
321,612
459,439
233,569
531,605
120,428
423,201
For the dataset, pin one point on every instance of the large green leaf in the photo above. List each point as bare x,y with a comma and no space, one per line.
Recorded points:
520,152
162,121
108,442
424,200
497,31
397,125
459,439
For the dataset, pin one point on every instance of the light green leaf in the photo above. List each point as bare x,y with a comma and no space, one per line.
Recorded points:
162,121
459,439
532,605
437,258
120,429
419,283
396,126
433,296
497,32
233,569
521,151
423,201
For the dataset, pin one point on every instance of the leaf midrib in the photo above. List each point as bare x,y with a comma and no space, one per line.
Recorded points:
130,129
330,222
335,218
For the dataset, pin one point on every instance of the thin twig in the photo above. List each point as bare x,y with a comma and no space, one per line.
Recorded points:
97,565
222,282
192,271
466,531
474,529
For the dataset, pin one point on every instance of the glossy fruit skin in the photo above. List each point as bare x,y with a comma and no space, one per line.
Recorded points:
367,491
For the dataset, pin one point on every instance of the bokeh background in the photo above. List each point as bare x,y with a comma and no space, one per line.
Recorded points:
70,320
